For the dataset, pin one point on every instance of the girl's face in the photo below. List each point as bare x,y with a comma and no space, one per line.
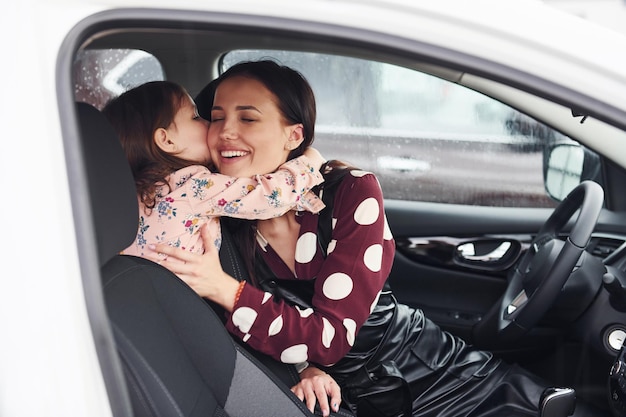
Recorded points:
188,132
248,135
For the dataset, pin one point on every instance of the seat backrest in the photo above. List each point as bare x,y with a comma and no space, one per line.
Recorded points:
112,191
177,357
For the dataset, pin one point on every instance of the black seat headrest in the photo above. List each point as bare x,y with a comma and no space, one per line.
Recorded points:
112,191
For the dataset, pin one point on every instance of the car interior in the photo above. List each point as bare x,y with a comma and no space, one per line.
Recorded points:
456,261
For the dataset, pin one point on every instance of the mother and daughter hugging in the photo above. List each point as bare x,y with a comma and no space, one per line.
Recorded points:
316,226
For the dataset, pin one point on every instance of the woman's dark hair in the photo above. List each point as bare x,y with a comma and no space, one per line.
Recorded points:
295,98
296,103
135,116
204,99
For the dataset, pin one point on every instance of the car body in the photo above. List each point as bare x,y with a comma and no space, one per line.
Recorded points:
58,355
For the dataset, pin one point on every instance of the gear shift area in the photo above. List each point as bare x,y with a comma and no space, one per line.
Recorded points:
557,402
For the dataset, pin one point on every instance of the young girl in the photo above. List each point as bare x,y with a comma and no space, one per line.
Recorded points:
165,142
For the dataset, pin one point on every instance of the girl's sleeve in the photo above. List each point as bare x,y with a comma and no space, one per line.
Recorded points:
347,287
259,197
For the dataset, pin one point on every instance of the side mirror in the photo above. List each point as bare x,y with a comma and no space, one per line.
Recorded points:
566,165
563,170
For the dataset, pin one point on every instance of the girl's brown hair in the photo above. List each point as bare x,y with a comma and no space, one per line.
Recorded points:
135,116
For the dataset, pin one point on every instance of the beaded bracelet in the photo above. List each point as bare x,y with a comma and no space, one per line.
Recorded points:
239,290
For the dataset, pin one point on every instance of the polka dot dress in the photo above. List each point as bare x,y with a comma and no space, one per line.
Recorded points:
348,281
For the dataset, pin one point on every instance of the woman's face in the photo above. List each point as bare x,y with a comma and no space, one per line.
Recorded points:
189,132
248,134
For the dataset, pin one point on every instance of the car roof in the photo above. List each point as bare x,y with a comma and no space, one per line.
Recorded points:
527,35
499,49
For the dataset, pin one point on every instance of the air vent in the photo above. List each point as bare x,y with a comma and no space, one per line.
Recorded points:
602,247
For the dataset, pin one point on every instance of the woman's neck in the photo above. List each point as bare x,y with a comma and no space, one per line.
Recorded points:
281,233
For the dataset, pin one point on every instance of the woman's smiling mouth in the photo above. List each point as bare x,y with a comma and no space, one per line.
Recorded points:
233,154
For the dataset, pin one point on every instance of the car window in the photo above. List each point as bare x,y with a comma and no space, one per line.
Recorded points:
426,138
101,74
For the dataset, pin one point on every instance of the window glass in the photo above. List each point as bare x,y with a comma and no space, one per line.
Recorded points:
427,139
101,74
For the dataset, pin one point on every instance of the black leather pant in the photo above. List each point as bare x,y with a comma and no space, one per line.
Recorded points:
446,377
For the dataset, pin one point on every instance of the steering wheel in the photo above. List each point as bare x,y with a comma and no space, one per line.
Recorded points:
536,281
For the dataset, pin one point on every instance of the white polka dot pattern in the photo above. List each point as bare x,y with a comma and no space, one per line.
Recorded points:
306,247
276,326
350,326
337,286
331,246
295,354
367,212
244,318
357,262
328,334
304,313
373,257
373,306
387,235
358,173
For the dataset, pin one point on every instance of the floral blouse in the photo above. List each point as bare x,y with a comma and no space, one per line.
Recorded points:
347,283
197,196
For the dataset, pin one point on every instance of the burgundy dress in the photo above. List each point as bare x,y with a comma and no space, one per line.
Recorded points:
354,322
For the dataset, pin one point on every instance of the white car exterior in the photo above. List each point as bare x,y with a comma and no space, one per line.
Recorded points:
48,361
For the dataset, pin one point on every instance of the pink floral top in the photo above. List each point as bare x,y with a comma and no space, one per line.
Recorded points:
197,196
348,281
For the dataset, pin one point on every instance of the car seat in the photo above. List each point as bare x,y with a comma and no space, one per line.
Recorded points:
177,358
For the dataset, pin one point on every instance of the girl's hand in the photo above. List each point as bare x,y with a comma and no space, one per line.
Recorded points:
317,386
202,272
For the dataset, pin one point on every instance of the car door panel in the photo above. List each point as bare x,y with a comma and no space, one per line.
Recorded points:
426,272
430,288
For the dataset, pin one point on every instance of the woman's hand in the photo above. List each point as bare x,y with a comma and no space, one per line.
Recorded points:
202,272
317,386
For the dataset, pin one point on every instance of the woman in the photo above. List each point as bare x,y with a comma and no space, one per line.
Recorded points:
350,325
